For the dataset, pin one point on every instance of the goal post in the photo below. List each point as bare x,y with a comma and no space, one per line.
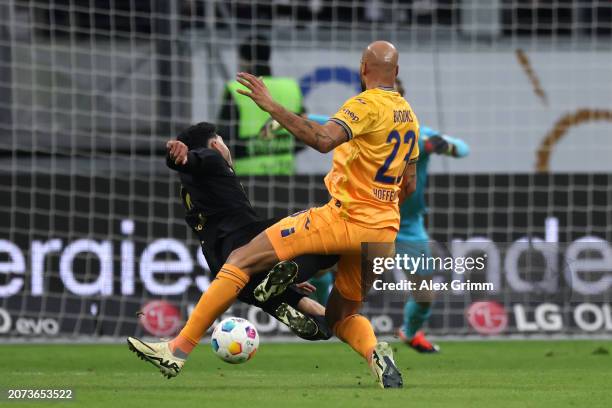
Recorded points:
91,227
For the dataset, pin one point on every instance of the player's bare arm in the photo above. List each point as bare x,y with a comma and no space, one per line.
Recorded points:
323,138
409,181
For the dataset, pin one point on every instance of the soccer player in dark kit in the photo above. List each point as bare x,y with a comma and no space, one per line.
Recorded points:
221,215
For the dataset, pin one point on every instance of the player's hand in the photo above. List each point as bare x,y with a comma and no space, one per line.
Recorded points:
437,144
177,151
306,287
257,90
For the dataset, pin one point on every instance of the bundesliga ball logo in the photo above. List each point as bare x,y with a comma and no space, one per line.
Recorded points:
235,340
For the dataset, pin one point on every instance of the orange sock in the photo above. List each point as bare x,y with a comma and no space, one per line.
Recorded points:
357,332
218,297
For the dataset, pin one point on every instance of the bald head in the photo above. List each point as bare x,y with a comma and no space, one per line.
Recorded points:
379,64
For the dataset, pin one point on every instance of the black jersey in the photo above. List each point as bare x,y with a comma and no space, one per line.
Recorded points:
215,202
210,185
218,210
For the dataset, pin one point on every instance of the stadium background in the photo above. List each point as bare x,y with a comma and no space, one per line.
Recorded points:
91,229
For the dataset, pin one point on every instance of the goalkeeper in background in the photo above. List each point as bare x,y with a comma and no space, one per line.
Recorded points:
412,237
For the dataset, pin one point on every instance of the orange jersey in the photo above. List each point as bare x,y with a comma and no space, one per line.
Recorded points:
367,170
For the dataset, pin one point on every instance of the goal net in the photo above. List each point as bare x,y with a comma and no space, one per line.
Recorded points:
91,227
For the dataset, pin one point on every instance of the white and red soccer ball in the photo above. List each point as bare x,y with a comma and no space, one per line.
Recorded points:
235,340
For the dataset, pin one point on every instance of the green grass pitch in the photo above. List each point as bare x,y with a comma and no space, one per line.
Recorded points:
466,374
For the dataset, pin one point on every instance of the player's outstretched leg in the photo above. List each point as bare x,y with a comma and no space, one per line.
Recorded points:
415,315
158,354
170,356
276,282
222,292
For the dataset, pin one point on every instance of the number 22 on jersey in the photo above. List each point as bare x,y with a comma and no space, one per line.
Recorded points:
382,175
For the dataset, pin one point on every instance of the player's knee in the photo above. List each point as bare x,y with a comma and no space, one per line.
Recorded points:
252,261
239,259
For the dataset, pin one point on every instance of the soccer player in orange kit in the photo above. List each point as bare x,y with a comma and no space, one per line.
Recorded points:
374,138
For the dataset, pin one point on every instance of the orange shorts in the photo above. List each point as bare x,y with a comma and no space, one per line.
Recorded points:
322,230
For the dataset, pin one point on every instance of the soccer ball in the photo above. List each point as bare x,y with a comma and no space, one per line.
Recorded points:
235,340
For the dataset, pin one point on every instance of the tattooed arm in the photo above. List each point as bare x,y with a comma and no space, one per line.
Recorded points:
323,138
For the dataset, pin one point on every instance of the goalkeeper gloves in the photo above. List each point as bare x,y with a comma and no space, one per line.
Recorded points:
437,144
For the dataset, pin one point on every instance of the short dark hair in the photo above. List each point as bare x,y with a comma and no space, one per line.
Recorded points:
198,135
256,49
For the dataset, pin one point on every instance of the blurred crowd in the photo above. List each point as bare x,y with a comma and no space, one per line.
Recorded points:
522,17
